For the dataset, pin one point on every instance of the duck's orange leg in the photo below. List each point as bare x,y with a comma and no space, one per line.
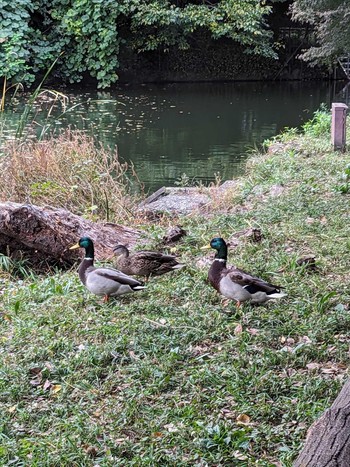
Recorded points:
105,298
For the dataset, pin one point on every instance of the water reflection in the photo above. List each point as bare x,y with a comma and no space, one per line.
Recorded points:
199,129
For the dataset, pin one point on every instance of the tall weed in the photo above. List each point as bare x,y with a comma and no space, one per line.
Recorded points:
320,124
67,171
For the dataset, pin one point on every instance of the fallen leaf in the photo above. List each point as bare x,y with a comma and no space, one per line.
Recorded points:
313,366
91,451
253,331
242,419
55,388
305,340
238,330
6,317
157,434
171,428
13,408
35,382
239,455
226,413
47,385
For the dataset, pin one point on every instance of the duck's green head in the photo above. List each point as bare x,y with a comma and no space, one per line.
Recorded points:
87,243
217,243
220,246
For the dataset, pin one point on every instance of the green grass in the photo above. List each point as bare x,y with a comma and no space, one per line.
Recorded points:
159,378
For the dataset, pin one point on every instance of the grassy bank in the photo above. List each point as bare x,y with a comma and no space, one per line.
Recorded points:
168,376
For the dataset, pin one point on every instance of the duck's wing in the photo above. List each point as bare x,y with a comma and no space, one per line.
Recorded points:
155,256
116,276
251,283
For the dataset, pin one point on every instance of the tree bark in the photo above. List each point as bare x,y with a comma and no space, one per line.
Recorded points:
328,439
43,235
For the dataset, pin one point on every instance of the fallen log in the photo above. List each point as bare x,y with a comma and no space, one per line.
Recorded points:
42,235
328,439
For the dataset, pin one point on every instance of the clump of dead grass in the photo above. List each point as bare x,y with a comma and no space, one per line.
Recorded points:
67,171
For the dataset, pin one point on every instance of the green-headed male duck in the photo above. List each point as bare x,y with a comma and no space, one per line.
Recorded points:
236,284
107,282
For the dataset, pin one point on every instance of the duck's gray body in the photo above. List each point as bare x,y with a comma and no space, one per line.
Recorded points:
106,281
240,286
237,284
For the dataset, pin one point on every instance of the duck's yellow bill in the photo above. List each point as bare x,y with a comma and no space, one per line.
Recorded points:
74,247
206,247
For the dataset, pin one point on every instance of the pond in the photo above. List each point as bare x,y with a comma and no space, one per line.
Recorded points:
183,132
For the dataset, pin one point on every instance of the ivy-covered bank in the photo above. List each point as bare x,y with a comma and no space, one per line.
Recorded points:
170,375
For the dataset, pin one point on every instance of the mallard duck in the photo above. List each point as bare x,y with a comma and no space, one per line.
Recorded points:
106,282
236,284
144,263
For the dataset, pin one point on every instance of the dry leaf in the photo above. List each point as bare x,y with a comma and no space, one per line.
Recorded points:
238,330
313,366
253,331
328,371
242,419
157,434
239,455
35,382
171,428
226,413
56,388
305,340
47,385
13,408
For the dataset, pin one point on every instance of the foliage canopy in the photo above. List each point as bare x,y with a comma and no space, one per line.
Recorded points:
331,20
90,33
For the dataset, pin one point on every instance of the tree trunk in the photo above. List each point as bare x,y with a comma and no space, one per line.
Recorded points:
328,439
43,235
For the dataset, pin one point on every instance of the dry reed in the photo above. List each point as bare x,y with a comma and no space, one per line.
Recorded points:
67,171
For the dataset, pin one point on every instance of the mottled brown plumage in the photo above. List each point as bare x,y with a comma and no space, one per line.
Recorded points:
144,263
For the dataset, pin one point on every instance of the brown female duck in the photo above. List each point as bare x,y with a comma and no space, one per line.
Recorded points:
144,263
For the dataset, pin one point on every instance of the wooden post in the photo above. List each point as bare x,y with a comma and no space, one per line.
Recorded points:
338,134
